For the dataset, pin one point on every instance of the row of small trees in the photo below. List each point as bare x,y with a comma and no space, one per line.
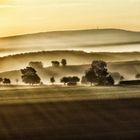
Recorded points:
97,74
70,80
39,64
63,62
5,81
30,76
67,80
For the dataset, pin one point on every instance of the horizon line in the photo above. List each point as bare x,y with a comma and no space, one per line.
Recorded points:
47,51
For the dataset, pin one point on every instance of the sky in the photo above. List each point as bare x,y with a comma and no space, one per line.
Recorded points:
31,16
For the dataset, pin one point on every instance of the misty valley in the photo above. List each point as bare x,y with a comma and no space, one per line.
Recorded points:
70,85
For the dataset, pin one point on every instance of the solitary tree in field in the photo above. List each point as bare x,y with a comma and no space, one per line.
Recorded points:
64,62
138,76
98,74
6,81
29,76
52,80
122,78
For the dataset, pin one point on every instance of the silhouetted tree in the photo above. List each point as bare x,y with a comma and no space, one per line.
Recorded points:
36,64
29,76
1,80
6,81
109,80
138,75
70,80
64,80
75,79
90,76
52,80
63,62
122,78
55,63
98,74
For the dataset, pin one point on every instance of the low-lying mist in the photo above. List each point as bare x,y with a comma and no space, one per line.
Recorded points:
102,40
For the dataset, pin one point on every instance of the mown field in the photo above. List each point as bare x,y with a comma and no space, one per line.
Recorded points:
69,113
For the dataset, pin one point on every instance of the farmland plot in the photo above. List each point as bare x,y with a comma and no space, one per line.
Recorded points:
70,113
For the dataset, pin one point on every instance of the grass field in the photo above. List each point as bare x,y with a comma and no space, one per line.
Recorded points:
70,113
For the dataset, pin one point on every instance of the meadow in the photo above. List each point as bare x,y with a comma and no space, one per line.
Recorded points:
71,113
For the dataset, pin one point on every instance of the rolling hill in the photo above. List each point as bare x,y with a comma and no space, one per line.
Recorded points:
15,62
88,40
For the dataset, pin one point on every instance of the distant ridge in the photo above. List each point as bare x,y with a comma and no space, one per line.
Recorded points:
91,40
72,31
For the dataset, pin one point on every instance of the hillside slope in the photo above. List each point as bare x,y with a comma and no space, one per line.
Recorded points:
19,61
117,69
70,40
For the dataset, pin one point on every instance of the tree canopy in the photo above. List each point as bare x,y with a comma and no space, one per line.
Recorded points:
138,75
98,74
1,80
64,62
29,76
6,81
52,80
70,80
55,63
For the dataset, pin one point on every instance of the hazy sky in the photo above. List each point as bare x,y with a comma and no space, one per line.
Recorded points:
27,16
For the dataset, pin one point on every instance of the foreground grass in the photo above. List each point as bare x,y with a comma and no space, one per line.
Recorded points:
70,113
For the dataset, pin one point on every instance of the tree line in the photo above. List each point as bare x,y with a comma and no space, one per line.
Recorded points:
97,74
5,81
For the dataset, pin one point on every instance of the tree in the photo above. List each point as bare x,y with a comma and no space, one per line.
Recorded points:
6,81
64,80
122,78
110,80
75,79
1,80
55,64
70,80
98,74
90,76
63,62
52,80
138,75
29,76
